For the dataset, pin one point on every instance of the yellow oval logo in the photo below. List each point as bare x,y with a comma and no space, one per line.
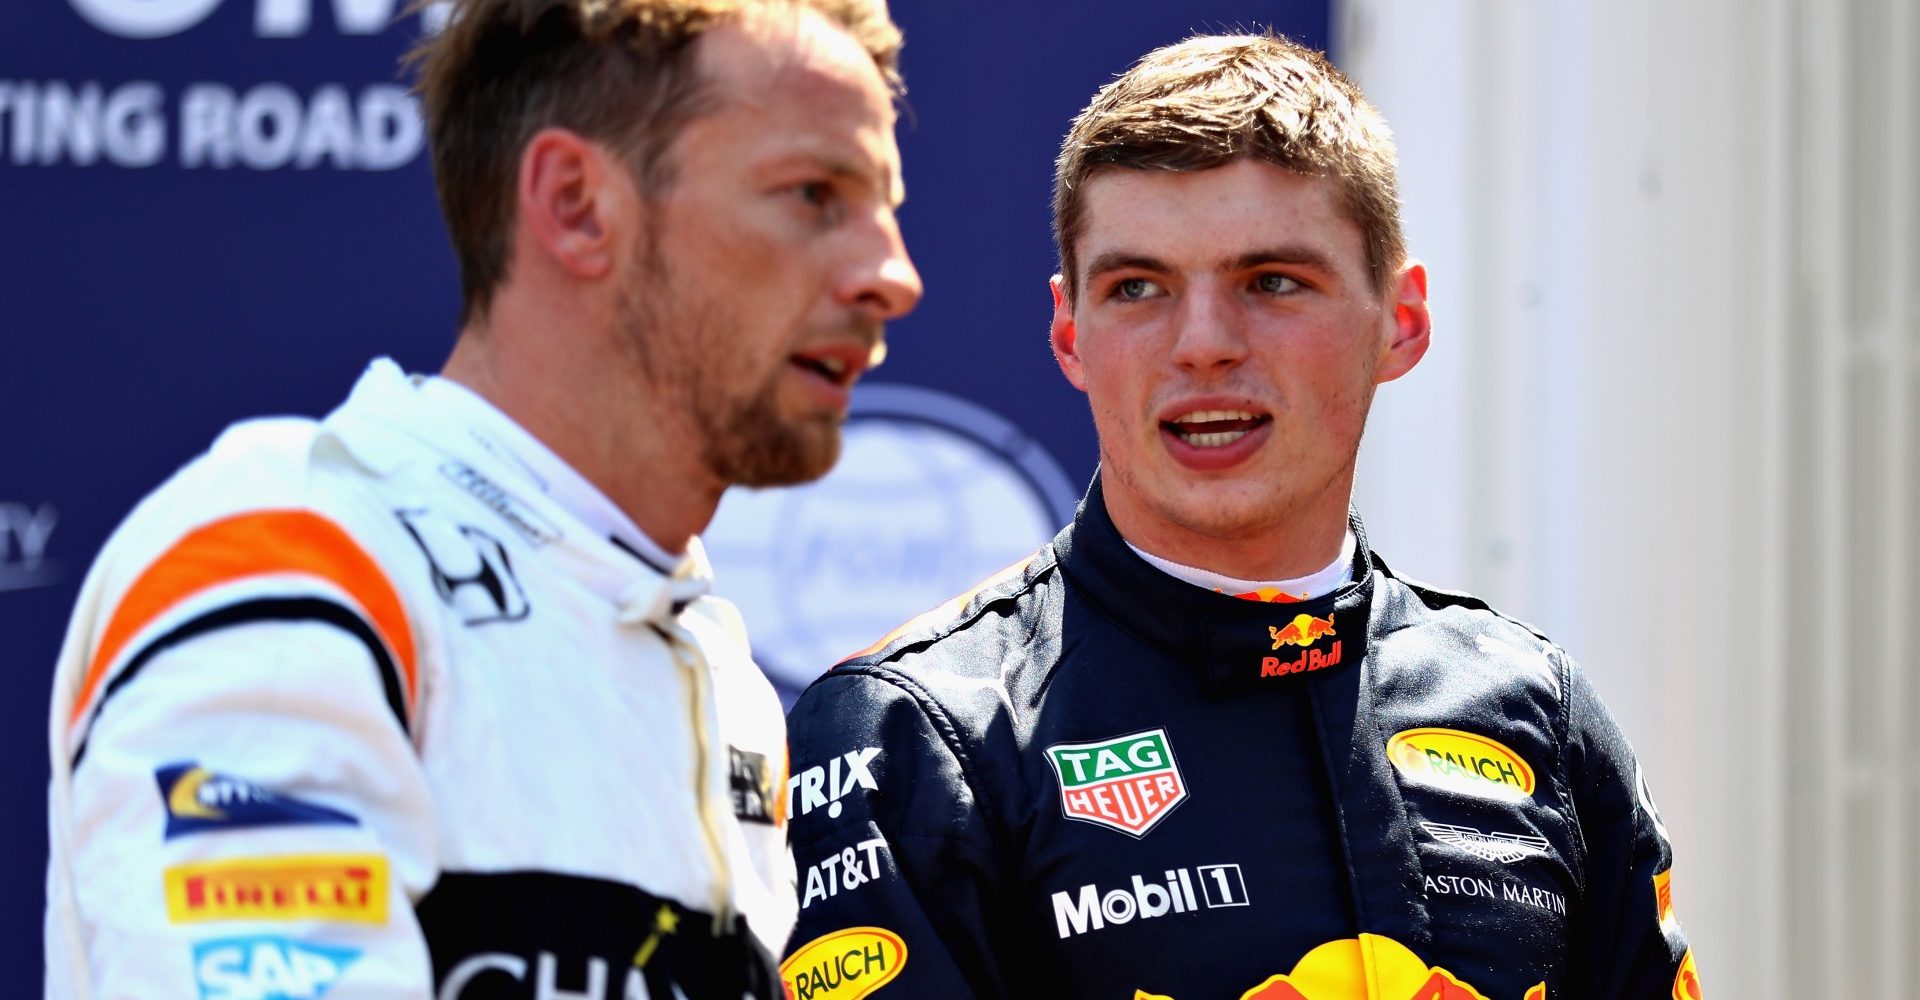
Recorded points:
1460,762
844,965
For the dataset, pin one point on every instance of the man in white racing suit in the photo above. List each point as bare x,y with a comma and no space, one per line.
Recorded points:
429,698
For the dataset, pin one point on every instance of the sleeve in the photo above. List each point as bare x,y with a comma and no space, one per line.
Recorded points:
897,877
1627,941
237,807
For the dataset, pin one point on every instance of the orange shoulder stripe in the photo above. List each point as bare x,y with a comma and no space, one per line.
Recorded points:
254,544
946,609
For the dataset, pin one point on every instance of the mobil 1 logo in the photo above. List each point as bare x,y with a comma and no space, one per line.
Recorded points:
1127,783
1092,907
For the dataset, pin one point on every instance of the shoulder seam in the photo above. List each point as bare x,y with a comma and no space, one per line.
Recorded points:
1032,569
1462,599
936,716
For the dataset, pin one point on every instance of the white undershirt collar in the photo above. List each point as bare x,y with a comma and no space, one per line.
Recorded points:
1302,588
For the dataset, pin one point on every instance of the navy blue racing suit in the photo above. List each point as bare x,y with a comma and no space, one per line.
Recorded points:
1091,779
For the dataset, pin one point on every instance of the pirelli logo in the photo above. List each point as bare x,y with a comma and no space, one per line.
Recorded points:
347,887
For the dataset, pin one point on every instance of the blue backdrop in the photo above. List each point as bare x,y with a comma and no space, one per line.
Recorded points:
211,209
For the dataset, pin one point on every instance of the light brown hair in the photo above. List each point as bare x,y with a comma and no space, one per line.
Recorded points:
1211,99
616,71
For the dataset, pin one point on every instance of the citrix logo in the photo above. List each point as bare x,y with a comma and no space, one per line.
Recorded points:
271,18
826,784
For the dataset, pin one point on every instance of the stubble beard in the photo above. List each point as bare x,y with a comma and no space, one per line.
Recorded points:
743,438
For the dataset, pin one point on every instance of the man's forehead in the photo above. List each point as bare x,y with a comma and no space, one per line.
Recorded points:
1216,214
783,54
792,85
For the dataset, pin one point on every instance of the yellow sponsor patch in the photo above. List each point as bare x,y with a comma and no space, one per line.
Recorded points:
1462,762
844,965
1663,899
1367,966
1686,983
349,887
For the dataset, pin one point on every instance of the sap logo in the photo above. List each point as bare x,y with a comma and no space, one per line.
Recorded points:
827,784
24,534
482,973
271,18
198,800
852,868
1089,910
268,968
470,569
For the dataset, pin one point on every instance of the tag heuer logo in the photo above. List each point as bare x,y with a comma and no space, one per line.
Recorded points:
1129,783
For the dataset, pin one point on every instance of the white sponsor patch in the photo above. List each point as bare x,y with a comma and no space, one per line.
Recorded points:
826,784
1494,846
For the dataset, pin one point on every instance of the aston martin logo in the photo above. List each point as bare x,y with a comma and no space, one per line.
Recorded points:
1501,847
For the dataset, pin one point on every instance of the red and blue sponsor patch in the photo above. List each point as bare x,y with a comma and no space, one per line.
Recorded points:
199,800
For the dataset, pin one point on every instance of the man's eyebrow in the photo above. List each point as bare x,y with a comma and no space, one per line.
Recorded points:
1116,260
1291,254
884,179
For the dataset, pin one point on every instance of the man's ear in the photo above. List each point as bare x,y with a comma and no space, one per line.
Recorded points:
570,192
1411,323
1065,337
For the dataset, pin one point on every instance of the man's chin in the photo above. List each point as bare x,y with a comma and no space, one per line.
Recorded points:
778,455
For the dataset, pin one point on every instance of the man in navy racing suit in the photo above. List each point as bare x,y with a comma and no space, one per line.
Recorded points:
1206,744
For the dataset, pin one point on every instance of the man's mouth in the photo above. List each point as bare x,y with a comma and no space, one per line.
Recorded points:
838,365
834,370
1214,428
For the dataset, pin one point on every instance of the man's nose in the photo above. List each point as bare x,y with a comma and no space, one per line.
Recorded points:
1209,335
884,284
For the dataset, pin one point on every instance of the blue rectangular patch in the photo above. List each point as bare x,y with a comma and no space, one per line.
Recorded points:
199,800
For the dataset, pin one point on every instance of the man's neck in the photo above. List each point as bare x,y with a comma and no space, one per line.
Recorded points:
1304,541
595,423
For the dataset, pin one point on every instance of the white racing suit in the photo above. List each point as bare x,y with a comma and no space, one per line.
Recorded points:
354,708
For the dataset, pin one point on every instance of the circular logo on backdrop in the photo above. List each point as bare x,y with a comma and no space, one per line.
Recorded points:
931,495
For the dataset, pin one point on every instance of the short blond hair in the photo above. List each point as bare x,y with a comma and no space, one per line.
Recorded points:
1211,99
617,71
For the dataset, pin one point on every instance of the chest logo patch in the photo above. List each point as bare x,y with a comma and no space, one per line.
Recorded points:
1128,783
1460,762
1493,845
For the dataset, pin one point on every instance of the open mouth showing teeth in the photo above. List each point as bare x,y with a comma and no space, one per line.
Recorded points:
832,369
1213,428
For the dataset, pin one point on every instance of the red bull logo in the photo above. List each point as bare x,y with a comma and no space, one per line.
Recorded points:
1303,630
1367,966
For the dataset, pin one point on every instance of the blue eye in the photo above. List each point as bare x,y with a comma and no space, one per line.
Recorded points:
1134,288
